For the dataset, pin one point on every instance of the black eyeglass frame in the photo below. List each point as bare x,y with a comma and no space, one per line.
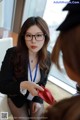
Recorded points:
38,33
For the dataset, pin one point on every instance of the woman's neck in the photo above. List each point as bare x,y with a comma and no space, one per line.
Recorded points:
32,57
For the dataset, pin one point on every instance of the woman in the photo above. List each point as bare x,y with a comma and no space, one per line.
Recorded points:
68,44
25,68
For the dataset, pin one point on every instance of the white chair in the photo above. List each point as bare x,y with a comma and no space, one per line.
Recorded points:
5,43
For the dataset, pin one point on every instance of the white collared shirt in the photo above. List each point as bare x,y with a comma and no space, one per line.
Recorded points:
38,76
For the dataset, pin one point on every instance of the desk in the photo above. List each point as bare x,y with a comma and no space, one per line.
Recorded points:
6,33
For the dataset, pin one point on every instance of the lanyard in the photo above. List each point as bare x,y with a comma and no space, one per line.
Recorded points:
31,72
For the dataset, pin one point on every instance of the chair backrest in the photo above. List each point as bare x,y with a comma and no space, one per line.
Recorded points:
5,43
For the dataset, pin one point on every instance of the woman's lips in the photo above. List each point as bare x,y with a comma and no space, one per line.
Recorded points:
33,47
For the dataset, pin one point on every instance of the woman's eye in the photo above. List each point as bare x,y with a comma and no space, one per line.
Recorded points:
39,35
28,35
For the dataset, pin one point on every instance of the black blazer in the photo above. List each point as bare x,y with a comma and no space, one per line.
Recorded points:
10,86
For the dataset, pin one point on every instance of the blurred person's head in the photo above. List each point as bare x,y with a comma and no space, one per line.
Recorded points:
66,109
68,42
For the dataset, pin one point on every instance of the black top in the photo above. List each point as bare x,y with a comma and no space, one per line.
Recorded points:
11,86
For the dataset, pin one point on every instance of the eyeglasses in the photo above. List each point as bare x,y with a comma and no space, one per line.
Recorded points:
38,36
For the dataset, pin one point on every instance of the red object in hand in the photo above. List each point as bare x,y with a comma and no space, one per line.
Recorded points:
46,96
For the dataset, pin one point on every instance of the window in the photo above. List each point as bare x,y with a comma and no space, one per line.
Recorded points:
6,13
54,15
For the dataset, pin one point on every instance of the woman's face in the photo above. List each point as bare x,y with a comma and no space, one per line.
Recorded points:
34,39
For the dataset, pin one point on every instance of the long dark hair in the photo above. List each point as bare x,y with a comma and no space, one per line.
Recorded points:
69,43
22,50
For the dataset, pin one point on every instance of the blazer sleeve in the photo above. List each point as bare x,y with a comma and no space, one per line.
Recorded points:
7,84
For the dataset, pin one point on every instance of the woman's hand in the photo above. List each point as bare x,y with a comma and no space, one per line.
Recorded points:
35,107
31,87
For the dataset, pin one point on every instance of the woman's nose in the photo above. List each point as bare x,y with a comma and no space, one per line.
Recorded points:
33,39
